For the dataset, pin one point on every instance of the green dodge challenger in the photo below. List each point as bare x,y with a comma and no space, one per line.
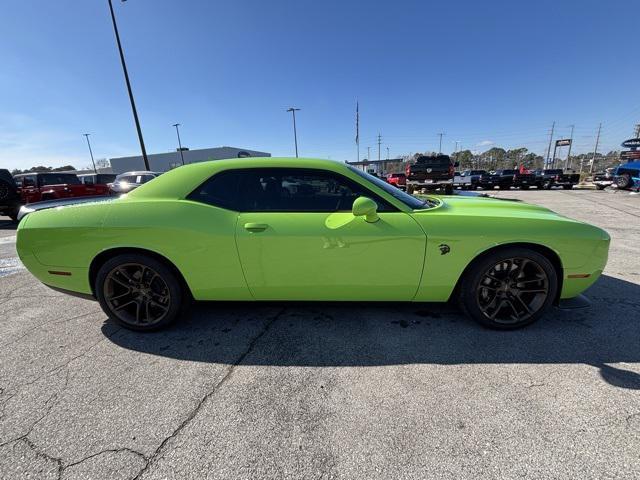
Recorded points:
304,229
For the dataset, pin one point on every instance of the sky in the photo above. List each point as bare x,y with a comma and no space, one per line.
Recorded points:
490,73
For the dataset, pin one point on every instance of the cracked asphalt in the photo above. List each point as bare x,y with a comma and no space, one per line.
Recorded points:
371,391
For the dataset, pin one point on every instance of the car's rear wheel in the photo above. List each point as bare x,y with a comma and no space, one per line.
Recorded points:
623,181
139,292
509,289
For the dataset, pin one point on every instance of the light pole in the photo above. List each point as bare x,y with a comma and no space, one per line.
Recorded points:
86,135
179,142
295,132
126,78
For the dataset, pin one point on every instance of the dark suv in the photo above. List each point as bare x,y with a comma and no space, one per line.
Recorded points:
9,196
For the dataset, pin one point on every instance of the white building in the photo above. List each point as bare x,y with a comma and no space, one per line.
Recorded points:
162,162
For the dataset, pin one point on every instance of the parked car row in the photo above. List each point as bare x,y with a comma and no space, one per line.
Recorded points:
30,188
505,179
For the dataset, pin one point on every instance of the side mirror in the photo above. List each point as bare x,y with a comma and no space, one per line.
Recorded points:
364,206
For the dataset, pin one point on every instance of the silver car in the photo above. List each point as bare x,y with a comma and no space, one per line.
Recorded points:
125,182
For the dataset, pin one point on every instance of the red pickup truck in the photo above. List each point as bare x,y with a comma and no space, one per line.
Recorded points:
36,187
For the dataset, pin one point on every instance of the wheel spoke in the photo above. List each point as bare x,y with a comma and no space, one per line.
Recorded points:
125,304
526,307
122,295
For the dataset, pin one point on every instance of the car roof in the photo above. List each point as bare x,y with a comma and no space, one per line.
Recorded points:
138,172
180,182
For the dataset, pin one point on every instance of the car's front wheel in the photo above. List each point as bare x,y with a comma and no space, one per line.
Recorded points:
509,288
624,181
139,292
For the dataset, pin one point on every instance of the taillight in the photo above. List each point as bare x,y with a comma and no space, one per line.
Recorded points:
452,170
408,169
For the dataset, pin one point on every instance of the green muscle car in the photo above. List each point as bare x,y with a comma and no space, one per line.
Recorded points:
282,229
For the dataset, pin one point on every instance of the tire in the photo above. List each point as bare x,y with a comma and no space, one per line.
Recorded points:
623,181
567,187
410,189
155,297
505,187
448,189
600,187
547,186
481,296
524,187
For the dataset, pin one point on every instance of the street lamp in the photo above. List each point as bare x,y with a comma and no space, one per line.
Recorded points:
86,135
126,78
179,142
295,133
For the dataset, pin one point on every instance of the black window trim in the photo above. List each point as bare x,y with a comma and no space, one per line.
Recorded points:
389,207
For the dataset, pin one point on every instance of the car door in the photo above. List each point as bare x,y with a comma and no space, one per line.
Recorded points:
89,182
30,189
298,240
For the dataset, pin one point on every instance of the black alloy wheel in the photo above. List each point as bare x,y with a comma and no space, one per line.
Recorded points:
139,292
509,289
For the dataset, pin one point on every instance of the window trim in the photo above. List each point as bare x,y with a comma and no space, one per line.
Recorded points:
388,206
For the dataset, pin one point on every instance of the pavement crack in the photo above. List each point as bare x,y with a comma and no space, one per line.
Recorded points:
102,452
192,414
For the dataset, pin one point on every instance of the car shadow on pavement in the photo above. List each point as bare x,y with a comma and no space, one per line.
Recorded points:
375,334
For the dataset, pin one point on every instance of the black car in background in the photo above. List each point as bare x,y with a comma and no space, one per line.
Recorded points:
430,172
556,177
9,195
505,179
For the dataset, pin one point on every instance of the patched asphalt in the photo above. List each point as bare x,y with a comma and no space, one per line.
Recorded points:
371,391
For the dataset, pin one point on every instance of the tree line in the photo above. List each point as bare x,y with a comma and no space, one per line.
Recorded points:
499,158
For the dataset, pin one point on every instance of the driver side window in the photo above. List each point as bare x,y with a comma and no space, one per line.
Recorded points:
300,190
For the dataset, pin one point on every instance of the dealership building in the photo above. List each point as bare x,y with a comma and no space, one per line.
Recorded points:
162,162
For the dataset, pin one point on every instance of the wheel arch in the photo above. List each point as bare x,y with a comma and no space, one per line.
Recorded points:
105,255
547,252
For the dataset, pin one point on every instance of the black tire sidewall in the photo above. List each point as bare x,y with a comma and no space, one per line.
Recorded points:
473,276
167,275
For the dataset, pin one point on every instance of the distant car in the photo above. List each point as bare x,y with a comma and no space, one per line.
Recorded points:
9,195
430,172
604,179
126,182
41,186
469,179
627,175
98,180
556,177
398,180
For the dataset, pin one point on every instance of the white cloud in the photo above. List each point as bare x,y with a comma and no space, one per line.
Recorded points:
485,143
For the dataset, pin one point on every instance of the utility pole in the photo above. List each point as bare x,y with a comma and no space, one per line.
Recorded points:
369,153
595,150
440,146
379,142
126,78
295,132
387,153
179,142
553,126
86,135
637,130
457,143
568,163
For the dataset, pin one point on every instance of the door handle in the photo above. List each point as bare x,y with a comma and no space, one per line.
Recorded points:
256,227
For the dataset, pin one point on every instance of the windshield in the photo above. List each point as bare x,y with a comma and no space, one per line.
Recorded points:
409,200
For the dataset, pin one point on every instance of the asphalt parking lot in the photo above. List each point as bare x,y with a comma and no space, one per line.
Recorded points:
327,391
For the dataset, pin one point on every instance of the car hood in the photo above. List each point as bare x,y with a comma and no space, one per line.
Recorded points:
489,206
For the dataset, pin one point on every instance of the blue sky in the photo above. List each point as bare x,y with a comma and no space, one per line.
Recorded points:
485,73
